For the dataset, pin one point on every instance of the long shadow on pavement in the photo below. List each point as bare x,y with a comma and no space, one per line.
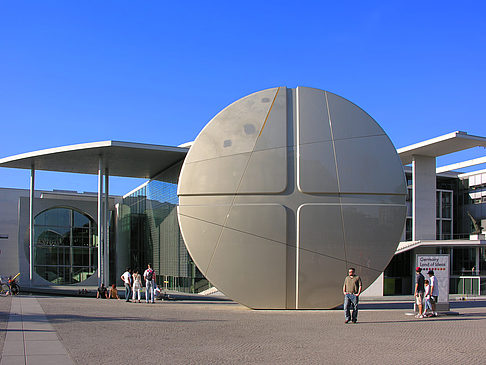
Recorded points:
53,318
460,318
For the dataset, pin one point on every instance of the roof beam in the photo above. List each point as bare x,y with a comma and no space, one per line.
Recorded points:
442,145
461,165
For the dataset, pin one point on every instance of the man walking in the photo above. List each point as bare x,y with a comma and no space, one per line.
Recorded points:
127,280
419,291
434,291
351,290
149,277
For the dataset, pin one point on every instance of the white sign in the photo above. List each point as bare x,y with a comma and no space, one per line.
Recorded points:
440,265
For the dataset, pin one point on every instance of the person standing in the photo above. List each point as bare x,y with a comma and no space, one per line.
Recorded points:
419,291
434,291
149,276
137,286
127,280
351,290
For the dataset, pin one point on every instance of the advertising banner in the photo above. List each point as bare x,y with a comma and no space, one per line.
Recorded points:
440,265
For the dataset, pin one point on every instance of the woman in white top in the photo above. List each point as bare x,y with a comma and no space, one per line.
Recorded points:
137,286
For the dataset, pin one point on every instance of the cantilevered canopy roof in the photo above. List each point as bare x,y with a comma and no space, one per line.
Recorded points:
439,146
124,159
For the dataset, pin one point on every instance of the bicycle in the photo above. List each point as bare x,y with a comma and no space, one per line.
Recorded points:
10,288
4,290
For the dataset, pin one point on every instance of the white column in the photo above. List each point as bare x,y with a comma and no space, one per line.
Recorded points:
424,198
31,225
106,234
100,219
478,253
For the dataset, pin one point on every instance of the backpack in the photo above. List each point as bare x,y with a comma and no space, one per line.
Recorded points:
150,274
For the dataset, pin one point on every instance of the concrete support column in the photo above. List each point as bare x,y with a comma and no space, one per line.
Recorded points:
31,224
100,220
478,255
424,198
106,232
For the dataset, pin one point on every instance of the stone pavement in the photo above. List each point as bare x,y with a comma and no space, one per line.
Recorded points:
30,338
4,314
190,332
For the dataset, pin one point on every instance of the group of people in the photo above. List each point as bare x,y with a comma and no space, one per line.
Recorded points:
133,286
426,293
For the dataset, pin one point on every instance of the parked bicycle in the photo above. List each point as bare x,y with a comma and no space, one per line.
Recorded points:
9,286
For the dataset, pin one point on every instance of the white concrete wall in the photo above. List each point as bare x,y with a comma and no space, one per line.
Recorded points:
9,218
375,289
424,198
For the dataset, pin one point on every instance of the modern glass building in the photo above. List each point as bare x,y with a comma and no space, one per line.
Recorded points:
460,199
149,223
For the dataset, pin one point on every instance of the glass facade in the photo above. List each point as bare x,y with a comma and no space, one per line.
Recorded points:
150,223
398,275
444,215
65,246
463,261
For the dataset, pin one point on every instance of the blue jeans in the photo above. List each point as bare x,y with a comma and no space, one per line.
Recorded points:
149,291
128,292
351,301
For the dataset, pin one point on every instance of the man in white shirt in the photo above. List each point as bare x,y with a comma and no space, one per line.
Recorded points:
434,291
149,276
127,280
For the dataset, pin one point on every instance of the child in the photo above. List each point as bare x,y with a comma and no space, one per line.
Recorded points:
428,305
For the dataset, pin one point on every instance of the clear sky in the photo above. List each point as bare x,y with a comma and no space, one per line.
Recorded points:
158,71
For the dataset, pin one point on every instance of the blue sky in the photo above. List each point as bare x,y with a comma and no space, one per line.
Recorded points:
157,72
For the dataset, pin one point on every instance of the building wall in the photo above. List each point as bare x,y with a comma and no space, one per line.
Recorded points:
14,224
9,218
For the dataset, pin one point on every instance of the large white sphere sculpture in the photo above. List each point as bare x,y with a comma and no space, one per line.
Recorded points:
286,188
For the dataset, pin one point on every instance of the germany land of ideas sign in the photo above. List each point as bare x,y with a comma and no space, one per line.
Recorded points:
440,265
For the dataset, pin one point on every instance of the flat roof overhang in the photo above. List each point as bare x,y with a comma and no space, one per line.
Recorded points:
410,245
124,159
439,146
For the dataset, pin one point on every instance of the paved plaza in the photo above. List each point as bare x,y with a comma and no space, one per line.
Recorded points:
79,330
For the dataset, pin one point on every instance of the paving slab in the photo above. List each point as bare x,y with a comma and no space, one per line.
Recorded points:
30,338
13,348
13,335
36,347
13,360
48,360
41,336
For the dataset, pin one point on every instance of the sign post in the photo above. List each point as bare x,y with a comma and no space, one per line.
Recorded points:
440,265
